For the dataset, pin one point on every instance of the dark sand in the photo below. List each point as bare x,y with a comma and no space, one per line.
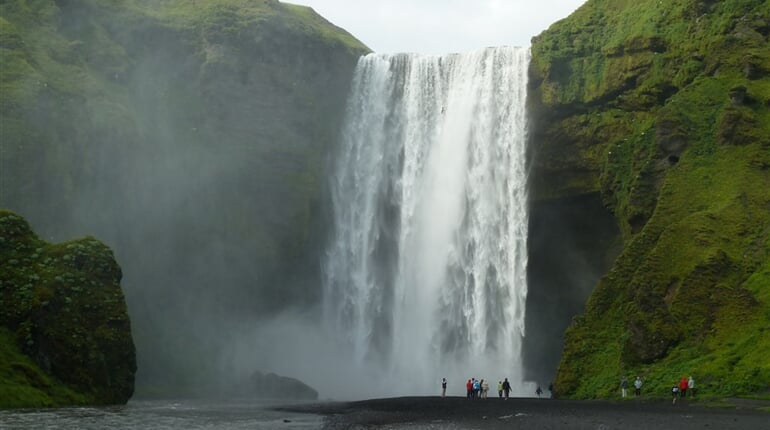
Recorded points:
518,413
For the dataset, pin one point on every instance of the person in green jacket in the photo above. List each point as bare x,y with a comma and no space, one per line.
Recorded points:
500,389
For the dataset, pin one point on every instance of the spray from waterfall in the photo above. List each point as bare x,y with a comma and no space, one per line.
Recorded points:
425,274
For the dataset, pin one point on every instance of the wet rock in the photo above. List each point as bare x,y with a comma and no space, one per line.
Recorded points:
272,386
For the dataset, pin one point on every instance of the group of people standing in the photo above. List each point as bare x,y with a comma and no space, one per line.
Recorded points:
637,387
479,388
680,390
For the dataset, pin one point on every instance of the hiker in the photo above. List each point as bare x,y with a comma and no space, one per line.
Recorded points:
506,388
469,388
443,387
476,389
538,391
500,389
674,393
683,387
550,390
691,386
638,386
624,387
484,388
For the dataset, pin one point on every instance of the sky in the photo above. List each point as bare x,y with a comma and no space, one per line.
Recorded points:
442,26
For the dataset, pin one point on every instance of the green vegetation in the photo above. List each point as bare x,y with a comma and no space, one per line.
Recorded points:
62,310
187,134
24,385
667,115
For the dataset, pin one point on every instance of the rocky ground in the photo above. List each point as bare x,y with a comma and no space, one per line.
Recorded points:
494,413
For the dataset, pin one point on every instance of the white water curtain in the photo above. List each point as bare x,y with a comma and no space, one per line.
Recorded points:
425,274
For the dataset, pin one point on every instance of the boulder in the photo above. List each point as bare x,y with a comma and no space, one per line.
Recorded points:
64,305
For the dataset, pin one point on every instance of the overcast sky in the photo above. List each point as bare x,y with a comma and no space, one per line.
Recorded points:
442,26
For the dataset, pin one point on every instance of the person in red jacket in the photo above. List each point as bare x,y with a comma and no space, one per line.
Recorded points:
469,387
683,387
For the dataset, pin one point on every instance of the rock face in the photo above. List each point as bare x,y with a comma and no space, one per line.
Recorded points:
660,109
272,386
64,307
191,136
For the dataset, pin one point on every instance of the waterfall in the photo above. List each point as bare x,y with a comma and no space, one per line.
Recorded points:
425,272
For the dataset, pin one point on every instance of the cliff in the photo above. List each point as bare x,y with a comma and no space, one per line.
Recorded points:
661,110
189,135
65,335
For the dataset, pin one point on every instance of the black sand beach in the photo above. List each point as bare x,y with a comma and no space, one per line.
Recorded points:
494,413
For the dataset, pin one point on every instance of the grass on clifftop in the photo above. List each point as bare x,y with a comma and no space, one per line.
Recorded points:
235,18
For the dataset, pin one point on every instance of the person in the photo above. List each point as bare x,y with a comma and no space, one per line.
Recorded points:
638,386
500,389
674,393
691,386
469,388
538,391
443,387
476,388
550,390
683,387
506,388
624,387
484,388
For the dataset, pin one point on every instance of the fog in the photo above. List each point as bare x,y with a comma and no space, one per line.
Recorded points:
201,169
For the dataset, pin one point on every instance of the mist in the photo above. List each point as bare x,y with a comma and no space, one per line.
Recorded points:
200,162
207,162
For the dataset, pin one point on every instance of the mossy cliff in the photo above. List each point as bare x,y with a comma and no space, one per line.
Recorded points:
189,135
65,335
663,110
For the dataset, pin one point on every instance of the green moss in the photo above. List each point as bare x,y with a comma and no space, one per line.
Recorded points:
682,157
23,384
61,308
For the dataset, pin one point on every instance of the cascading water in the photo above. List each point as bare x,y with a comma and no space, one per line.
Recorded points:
425,275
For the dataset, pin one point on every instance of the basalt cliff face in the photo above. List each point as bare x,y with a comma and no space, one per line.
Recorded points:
657,113
190,136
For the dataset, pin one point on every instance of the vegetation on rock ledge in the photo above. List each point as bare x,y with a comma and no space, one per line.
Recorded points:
664,108
65,336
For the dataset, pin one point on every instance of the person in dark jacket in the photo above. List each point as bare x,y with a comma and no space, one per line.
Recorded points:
506,388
